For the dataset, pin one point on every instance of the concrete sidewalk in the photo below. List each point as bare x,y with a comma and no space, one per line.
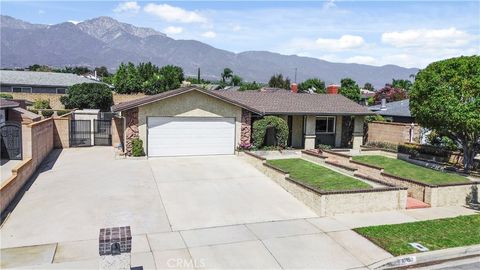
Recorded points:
315,243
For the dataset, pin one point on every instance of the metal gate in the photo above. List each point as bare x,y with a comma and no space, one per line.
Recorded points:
11,140
103,132
80,133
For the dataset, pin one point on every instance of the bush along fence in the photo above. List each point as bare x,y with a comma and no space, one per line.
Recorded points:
327,203
453,194
422,152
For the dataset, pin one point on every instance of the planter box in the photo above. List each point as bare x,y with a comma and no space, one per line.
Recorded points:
327,203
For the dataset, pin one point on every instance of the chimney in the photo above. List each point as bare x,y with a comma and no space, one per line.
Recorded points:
333,89
383,107
294,88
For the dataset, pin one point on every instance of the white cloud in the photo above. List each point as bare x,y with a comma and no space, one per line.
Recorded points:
329,4
345,42
447,37
172,30
174,14
127,7
41,11
209,34
74,22
360,59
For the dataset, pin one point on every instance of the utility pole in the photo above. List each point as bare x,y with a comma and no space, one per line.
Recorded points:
198,75
295,75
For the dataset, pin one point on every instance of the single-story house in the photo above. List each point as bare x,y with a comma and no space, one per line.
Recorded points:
39,82
195,121
396,111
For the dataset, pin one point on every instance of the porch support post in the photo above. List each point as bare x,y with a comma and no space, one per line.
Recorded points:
310,136
358,132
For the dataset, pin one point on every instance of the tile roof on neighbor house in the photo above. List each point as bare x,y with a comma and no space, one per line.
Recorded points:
35,78
396,108
5,103
262,103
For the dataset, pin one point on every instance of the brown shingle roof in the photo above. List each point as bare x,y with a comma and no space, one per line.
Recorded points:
280,102
297,103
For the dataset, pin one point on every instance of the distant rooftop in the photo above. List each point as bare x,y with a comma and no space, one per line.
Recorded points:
35,78
396,108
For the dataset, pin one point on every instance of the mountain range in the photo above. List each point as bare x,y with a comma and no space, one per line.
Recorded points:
104,41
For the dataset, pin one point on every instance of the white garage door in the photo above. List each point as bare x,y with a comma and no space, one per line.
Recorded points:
190,136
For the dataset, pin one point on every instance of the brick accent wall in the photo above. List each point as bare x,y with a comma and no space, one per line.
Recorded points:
246,129
117,131
396,133
131,132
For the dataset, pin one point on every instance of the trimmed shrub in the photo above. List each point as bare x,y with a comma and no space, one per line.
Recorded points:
137,148
260,129
383,145
47,113
62,112
41,104
324,147
6,96
416,149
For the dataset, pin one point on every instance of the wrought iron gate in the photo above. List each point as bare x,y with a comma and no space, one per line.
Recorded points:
103,132
11,140
80,133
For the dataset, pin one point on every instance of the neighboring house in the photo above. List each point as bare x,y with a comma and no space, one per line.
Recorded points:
39,82
194,121
397,111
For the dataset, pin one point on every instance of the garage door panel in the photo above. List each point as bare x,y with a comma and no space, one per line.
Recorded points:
177,136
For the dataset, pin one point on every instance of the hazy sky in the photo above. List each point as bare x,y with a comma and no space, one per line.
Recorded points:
406,33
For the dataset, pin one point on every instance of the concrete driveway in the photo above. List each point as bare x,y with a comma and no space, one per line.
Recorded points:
201,192
192,212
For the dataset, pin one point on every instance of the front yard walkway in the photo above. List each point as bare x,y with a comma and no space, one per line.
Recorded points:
212,212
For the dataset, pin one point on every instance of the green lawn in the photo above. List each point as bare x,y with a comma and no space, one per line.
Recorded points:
317,176
407,170
433,234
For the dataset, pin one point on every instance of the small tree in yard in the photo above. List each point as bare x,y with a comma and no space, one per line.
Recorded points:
446,98
88,96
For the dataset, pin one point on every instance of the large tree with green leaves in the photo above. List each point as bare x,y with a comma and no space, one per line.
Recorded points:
315,85
127,80
349,88
88,96
446,98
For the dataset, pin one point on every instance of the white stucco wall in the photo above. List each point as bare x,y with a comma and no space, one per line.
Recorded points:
191,104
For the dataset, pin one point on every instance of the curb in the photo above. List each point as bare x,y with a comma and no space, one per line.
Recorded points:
426,257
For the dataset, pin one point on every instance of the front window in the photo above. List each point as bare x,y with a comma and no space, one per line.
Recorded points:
22,89
325,124
61,90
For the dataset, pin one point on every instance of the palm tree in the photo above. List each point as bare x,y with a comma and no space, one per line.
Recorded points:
226,74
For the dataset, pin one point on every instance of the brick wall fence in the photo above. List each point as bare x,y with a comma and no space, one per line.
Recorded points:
396,133
57,105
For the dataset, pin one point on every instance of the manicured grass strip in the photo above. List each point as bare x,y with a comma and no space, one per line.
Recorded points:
317,176
407,170
433,234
